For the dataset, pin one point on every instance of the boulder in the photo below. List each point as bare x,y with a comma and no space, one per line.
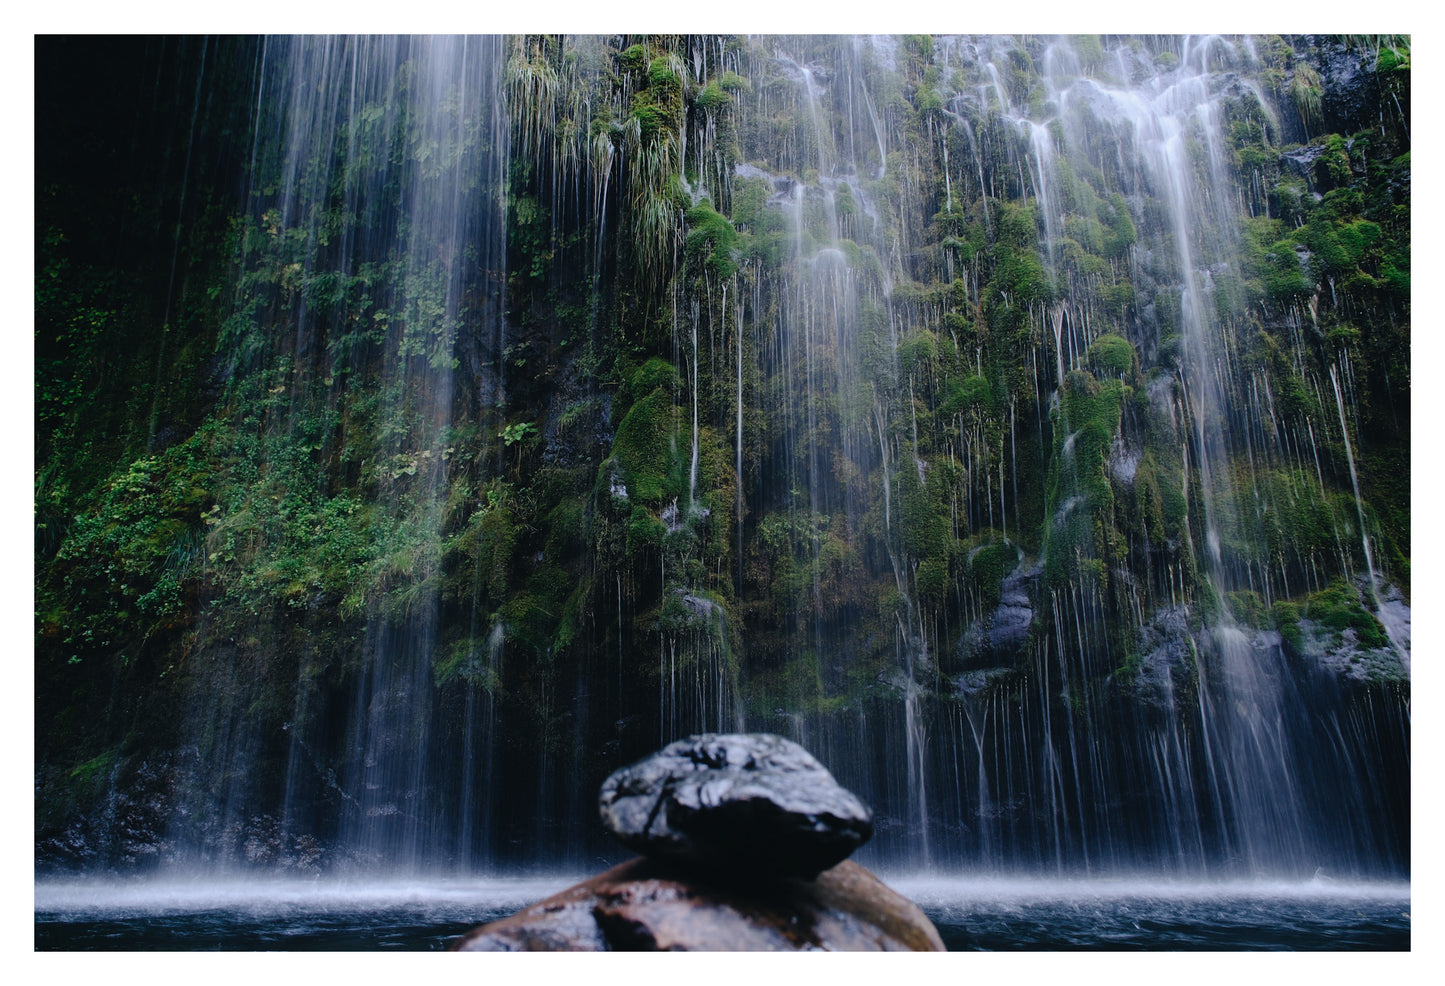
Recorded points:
741,803
656,905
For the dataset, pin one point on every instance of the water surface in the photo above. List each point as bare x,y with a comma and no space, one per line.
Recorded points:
971,914
1011,915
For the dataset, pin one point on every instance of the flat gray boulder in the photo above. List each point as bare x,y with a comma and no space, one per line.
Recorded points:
747,804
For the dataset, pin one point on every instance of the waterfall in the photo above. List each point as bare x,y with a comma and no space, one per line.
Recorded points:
961,407
376,189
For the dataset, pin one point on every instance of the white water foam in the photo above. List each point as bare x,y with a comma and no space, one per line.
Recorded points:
82,896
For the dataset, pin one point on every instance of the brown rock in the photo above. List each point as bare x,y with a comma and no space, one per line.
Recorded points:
649,905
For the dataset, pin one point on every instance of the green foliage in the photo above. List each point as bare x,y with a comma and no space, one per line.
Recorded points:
987,559
971,394
917,352
117,575
1392,60
1111,355
647,450
713,98
711,241
1121,233
1089,49
1247,607
1078,531
1018,270
924,513
654,374
1284,615
1339,607
1306,93
467,659
932,581
633,58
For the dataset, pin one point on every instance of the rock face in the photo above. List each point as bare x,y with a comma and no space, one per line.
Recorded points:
1351,87
654,905
741,803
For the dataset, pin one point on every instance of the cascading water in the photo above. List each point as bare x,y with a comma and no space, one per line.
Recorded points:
1239,796
375,242
959,407
833,345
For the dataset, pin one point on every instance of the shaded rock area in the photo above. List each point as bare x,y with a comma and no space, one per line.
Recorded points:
655,905
1352,94
999,637
1165,666
742,802
1015,614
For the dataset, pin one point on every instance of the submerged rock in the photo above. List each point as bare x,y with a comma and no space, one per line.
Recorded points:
653,905
749,803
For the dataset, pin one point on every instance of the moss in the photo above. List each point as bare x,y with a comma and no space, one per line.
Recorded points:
987,559
466,660
1116,299
932,580
566,527
1018,270
917,351
1089,49
732,82
1396,275
713,98
528,621
970,394
711,241
1080,501
1340,607
489,541
1271,262
646,448
1111,355
926,100
662,74
1393,59
655,373
95,769
1285,616
924,513
1246,606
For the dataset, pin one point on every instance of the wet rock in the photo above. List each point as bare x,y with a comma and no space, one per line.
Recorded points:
1015,614
1165,663
654,905
750,803
1003,635
1351,89
979,680
1302,159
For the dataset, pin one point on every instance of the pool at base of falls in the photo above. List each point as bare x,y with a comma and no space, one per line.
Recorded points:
971,914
